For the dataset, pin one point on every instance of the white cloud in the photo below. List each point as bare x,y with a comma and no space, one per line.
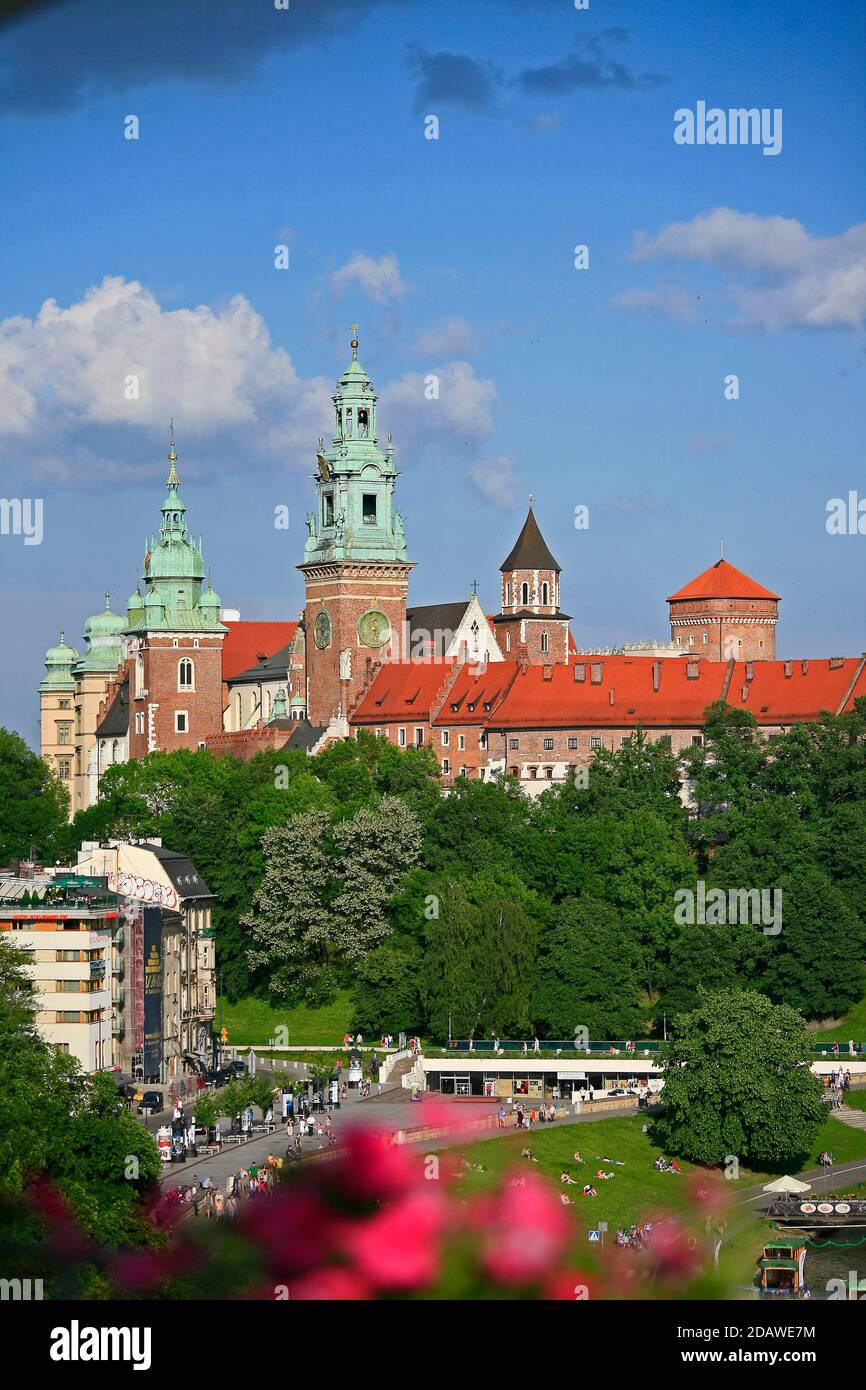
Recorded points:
460,411
235,395
496,481
660,298
380,280
213,369
799,280
451,338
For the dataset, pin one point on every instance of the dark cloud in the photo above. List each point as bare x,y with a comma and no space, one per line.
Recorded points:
62,55
453,79
456,80
590,66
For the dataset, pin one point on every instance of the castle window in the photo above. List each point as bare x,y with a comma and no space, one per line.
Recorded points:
595,741
114,751
185,674
507,594
461,741
63,769
139,723
706,638
195,643
181,721
63,734
544,593
327,508
574,743
419,737
508,641
446,738
514,743
363,422
545,642
524,594
348,421
368,508
446,765
401,738
181,598
548,745
63,704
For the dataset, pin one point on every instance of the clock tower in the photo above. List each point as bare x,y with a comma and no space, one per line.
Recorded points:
355,566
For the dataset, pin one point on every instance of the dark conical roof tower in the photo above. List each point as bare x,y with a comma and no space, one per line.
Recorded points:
530,550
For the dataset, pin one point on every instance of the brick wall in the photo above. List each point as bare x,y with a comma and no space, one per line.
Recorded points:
156,710
723,628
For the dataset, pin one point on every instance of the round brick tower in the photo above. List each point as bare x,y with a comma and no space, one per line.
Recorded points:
723,614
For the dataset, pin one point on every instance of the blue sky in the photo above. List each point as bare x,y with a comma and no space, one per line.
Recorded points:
602,387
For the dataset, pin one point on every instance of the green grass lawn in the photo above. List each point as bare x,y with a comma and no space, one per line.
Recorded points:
852,1026
639,1191
251,1021
856,1099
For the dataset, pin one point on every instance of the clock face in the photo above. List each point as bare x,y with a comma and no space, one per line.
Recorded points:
322,628
374,628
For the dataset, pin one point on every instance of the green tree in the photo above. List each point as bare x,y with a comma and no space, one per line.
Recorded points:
815,963
477,963
737,1083
34,803
588,974
386,989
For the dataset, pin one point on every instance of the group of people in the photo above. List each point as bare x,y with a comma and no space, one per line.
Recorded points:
542,1115
854,1049
634,1238
667,1165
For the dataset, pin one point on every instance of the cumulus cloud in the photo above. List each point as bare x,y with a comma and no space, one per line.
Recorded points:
495,480
380,280
451,338
235,395
447,404
592,66
65,377
453,79
776,273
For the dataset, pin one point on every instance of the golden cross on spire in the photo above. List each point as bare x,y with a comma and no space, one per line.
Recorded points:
354,329
172,451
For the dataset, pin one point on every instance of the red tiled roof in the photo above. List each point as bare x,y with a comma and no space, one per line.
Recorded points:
246,643
402,690
722,580
473,691
563,702
800,697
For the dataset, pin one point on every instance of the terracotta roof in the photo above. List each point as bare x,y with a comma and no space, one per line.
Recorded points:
564,702
799,697
476,693
722,580
530,550
274,667
247,643
402,690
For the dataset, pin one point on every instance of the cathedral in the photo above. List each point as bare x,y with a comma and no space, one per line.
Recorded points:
492,694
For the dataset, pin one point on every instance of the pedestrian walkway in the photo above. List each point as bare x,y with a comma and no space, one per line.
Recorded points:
849,1116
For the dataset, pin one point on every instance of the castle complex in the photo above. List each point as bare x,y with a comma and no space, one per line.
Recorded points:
503,693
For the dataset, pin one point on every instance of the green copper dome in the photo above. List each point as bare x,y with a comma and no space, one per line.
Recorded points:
59,661
104,624
174,570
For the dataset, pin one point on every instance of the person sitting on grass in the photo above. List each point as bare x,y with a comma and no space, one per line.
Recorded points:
589,1191
576,1156
566,1200
527,1153
566,1177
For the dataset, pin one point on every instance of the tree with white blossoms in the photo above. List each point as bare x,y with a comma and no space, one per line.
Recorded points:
322,900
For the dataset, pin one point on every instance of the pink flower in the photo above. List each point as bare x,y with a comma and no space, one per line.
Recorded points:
398,1248
330,1285
137,1271
530,1230
370,1168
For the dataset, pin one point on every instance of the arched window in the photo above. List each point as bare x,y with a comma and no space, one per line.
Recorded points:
507,593
238,711
545,590
524,594
114,751
185,674
181,598
545,642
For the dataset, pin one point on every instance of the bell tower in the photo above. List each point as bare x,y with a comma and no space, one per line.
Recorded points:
355,567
